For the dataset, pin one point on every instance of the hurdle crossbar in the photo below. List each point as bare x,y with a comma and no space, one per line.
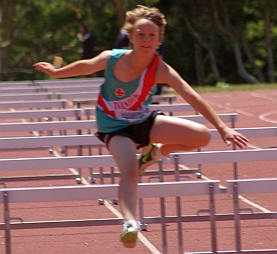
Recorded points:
69,193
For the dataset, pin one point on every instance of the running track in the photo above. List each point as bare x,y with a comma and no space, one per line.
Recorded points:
255,109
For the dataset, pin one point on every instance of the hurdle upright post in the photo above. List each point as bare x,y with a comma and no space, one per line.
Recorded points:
178,209
7,222
237,217
213,219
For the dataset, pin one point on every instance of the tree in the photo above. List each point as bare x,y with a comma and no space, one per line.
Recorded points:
270,4
232,36
203,38
7,20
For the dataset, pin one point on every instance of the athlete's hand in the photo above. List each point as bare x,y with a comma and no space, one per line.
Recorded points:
231,136
47,68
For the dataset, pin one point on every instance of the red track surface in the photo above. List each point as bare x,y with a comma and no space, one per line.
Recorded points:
255,109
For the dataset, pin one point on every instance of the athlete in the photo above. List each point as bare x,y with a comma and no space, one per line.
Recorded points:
125,122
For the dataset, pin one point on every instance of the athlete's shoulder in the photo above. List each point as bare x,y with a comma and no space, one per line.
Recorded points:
164,71
105,55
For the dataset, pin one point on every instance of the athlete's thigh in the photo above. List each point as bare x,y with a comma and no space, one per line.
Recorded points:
173,130
124,151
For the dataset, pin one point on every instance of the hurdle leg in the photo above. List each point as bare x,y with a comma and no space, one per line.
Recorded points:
90,177
237,217
162,205
7,222
178,209
113,200
213,219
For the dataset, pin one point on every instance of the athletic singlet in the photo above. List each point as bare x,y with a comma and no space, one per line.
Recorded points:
121,104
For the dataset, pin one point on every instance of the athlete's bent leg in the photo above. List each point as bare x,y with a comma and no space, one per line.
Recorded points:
176,134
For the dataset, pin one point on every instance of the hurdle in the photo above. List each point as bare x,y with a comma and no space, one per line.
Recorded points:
77,95
221,157
169,108
234,156
78,101
47,142
69,82
67,88
61,114
81,127
34,104
69,193
47,115
19,90
17,83
83,124
26,96
238,187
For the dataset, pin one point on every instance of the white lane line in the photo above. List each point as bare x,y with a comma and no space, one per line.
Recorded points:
264,117
244,113
228,108
263,96
245,200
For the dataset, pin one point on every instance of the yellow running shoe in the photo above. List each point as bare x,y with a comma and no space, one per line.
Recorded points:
147,157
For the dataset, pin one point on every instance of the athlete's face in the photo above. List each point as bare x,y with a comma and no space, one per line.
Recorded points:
145,36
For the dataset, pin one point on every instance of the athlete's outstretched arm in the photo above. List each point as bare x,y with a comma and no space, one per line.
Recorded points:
168,75
78,68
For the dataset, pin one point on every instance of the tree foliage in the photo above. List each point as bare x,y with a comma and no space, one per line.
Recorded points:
207,41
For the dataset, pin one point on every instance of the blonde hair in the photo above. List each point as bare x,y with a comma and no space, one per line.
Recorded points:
142,12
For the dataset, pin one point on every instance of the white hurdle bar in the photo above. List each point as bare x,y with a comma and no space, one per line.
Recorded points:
224,156
70,82
25,96
69,193
233,156
78,101
43,163
49,113
170,108
90,139
8,90
48,142
84,124
33,104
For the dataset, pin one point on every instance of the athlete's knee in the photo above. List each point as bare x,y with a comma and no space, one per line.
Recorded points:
130,171
205,136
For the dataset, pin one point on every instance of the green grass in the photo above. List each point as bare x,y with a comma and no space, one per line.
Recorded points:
235,87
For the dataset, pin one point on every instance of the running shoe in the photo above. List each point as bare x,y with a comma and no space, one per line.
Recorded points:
147,157
130,233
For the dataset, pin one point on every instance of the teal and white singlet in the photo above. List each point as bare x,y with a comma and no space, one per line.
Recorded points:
121,104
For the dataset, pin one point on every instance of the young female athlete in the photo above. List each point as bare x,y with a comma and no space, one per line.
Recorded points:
124,119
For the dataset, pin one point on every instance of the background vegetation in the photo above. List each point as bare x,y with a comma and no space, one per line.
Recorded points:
207,41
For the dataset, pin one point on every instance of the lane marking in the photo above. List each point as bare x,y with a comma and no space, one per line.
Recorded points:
245,113
264,116
266,97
